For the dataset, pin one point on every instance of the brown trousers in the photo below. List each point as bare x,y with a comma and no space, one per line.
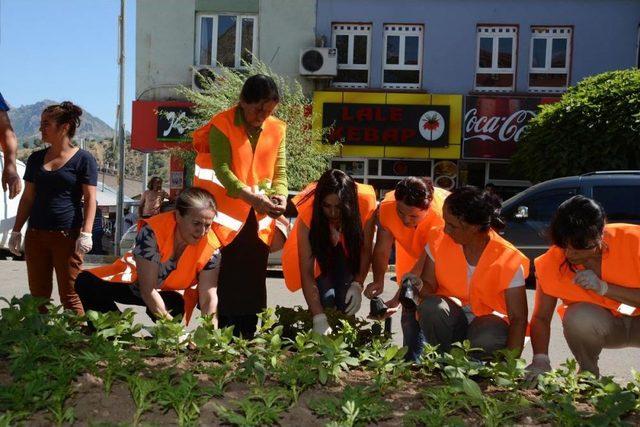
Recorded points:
46,251
588,328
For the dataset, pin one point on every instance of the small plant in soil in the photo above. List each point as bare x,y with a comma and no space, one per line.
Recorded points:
371,408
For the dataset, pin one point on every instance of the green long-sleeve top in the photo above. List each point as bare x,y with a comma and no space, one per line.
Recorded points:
220,149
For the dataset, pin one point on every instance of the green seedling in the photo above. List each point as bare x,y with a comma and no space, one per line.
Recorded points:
388,365
144,393
334,358
508,371
182,395
168,335
219,376
119,328
371,408
439,406
262,407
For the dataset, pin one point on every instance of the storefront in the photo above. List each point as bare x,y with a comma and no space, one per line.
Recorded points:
160,125
388,136
491,131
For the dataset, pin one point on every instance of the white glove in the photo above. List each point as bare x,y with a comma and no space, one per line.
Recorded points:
15,243
321,325
84,243
413,280
539,365
353,299
588,280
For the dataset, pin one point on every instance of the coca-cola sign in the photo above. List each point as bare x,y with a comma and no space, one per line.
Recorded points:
493,125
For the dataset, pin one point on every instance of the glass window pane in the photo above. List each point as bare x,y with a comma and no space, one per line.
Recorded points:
360,50
352,76
226,54
247,40
542,207
206,30
411,49
393,49
351,167
494,80
539,53
373,167
559,53
401,76
558,80
485,56
621,204
505,50
342,44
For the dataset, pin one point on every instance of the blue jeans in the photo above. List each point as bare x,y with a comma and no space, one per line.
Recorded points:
412,336
333,292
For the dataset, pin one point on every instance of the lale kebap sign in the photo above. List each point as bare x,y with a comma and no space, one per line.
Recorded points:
493,125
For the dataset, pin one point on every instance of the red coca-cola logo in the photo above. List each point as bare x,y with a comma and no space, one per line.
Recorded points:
500,129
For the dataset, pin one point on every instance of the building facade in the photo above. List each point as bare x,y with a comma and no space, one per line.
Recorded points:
441,88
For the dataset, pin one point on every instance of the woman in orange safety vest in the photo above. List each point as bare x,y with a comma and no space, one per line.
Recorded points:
594,269
414,205
173,266
473,280
328,251
241,160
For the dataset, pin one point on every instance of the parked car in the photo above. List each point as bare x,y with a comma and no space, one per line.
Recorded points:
8,212
529,213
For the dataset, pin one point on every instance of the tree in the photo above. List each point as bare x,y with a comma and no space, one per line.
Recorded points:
595,126
307,157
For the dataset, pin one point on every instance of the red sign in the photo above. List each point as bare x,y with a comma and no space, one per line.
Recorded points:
151,131
493,125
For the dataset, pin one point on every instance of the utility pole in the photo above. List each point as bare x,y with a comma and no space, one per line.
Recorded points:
120,131
145,172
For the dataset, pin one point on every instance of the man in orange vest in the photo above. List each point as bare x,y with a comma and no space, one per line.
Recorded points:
241,161
414,204
594,270
173,267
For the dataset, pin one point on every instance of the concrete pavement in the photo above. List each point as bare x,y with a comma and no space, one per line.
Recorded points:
13,282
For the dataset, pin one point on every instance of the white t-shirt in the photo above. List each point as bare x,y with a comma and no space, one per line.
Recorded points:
516,282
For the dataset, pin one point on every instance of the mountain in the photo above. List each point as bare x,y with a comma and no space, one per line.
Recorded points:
26,123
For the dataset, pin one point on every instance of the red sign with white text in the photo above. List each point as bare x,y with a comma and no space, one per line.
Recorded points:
493,124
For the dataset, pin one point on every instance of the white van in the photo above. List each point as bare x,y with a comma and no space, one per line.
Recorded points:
8,211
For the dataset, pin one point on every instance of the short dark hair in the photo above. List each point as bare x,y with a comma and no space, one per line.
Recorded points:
259,88
475,206
65,113
579,222
414,191
152,181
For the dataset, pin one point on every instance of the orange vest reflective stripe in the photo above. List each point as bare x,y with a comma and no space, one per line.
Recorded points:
290,258
496,268
410,241
184,277
253,168
620,265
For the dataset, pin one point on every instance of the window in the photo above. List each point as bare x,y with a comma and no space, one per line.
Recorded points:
543,206
549,59
638,49
621,203
227,40
353,42
496,58
402,56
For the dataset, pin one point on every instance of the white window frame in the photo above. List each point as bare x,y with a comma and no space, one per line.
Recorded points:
494,32
214,38
549,33
403,30
351,30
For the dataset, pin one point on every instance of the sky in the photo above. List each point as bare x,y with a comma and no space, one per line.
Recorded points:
66,50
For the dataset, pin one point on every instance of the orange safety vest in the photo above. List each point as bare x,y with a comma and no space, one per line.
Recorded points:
408,246
620,265
253,168
290,258
498,263
184,277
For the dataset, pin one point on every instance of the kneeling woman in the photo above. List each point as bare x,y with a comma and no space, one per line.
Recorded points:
174,251
595,270
473,279
329,249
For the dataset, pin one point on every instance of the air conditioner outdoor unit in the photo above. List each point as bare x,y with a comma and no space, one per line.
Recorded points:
199,73
319,62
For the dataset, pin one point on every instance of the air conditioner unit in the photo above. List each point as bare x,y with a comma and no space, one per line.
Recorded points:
199,73
319,62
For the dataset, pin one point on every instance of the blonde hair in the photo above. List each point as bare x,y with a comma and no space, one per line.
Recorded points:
194,198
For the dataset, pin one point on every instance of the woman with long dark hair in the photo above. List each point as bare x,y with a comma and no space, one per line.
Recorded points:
329,249
472,283
594,269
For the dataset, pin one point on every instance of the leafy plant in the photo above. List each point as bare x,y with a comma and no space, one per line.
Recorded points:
262,407
144,393
357,406
439,406
181,393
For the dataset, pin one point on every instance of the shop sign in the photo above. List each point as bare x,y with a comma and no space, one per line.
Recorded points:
387,124
493,125
172,124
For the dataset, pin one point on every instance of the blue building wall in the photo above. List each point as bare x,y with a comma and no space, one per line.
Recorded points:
605,33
